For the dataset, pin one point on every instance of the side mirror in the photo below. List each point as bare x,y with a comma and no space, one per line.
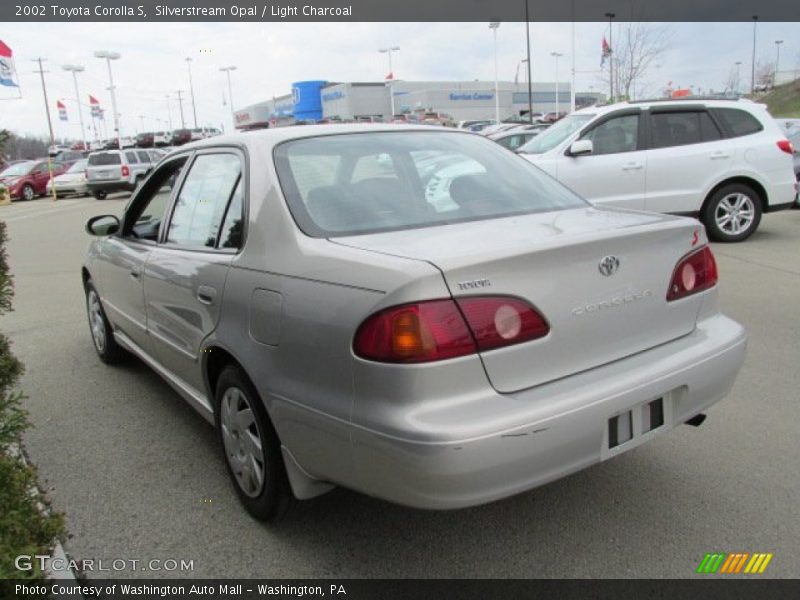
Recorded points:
580,148
102,225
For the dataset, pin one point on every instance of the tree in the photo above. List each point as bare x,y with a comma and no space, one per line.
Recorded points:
765,73
636,48
731,83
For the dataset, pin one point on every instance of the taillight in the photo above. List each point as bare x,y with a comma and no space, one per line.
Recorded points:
437,329
125,171
786,146
695,272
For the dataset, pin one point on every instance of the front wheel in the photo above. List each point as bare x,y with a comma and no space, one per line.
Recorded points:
733,213
251,447
104,343
28,193
99,194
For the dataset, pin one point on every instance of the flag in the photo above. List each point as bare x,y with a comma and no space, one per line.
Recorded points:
7,71
94,104
62,110
390,76
606,52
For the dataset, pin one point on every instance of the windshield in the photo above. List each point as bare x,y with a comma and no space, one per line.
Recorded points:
363,183
555,134
18,169
78,167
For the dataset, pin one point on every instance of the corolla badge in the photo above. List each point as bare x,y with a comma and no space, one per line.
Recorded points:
608,265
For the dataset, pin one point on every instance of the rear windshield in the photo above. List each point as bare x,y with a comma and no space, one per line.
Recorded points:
363,183
102,159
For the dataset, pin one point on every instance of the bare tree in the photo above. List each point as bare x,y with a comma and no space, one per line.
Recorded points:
731,82
765,73
636,47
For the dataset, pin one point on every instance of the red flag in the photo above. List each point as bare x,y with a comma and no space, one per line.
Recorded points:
390,76
93,100
606,52
62,110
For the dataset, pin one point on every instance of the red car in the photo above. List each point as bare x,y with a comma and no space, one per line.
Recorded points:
29,179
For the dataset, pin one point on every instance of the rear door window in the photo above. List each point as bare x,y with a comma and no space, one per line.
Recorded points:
737,122
143,156
131,157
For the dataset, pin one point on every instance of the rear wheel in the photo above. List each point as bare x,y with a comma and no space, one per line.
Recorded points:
28,193
99,194
733,213
251,447
104,343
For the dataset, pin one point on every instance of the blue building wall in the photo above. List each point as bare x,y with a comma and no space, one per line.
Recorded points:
307,100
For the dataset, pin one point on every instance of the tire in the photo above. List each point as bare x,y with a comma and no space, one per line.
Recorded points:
99,194
102,337
258,474
28,193
732,213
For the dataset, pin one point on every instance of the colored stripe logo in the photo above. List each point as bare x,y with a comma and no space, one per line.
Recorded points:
734,563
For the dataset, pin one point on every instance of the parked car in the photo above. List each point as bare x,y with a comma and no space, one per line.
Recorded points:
534,129
794,138
128,142
68,156
71,181
437,118
498,128
724,161
180,137
514,139
405,119
145,140
339,329
162,138
56,148
28,179
116,170
470,123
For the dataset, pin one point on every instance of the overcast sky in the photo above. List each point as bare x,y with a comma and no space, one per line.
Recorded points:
270,56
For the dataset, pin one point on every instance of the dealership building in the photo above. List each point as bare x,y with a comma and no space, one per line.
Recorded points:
462,100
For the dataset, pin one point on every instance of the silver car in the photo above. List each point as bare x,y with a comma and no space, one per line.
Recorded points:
112,171
340,323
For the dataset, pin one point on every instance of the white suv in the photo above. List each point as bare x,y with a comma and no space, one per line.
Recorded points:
723,161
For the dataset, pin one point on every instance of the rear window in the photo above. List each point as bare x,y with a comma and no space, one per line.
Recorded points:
102,159
737,122
363,183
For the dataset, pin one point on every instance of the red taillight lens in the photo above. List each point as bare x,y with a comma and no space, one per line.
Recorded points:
125,171
695,272
498,321
786,146
436,330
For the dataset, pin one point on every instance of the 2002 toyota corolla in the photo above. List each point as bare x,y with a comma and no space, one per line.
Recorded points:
416,314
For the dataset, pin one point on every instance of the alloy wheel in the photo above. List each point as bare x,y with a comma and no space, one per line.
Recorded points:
735,213
96,322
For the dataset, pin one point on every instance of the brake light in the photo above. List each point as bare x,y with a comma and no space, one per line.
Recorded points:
125,171
694,273
786,146
437,329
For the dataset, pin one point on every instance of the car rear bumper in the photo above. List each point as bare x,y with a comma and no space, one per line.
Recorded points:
110,186
71,188
549,431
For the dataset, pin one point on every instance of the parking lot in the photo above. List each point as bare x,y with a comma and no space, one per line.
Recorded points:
139,475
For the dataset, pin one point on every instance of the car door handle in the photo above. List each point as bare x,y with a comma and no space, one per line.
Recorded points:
135,274
206,294
632,166
717,155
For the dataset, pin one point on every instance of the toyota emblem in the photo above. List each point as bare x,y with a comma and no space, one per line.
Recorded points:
608,265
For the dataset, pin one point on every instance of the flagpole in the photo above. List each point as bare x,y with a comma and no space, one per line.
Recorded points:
49,123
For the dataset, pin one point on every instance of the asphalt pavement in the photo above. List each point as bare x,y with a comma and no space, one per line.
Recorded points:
139,475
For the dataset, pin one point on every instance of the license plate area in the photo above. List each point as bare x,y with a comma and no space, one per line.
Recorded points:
629,428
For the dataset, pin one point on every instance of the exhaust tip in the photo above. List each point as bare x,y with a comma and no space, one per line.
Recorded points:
696,420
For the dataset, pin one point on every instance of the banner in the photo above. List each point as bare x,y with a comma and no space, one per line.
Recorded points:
62,110
8,74
94,103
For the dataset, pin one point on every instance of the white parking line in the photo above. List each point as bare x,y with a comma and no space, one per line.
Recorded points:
44,211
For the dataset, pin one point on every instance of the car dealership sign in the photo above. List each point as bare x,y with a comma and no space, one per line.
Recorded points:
471,96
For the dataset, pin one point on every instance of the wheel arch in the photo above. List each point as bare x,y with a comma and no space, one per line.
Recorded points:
740,179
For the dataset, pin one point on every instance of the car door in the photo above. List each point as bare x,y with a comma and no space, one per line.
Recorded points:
185,275
614,173
684,158
40,176
125,254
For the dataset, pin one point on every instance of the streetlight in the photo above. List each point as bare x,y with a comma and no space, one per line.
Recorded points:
75,69
753,62
391,73
777,61
611,16
227,71
738,76
516,75
494,25
109,56
191,90
169,112
556,55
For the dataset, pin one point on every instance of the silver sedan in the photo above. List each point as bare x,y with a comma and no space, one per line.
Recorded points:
414,313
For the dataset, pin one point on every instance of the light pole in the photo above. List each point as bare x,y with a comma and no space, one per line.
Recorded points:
528,58
753,62
141,123
75,69
227,71
516,75
494,26
391,73
191,90
556,55
169,113
109,56
738,76
611,16
777,61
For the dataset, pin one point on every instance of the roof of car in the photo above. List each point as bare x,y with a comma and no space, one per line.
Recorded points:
601,109
277,135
